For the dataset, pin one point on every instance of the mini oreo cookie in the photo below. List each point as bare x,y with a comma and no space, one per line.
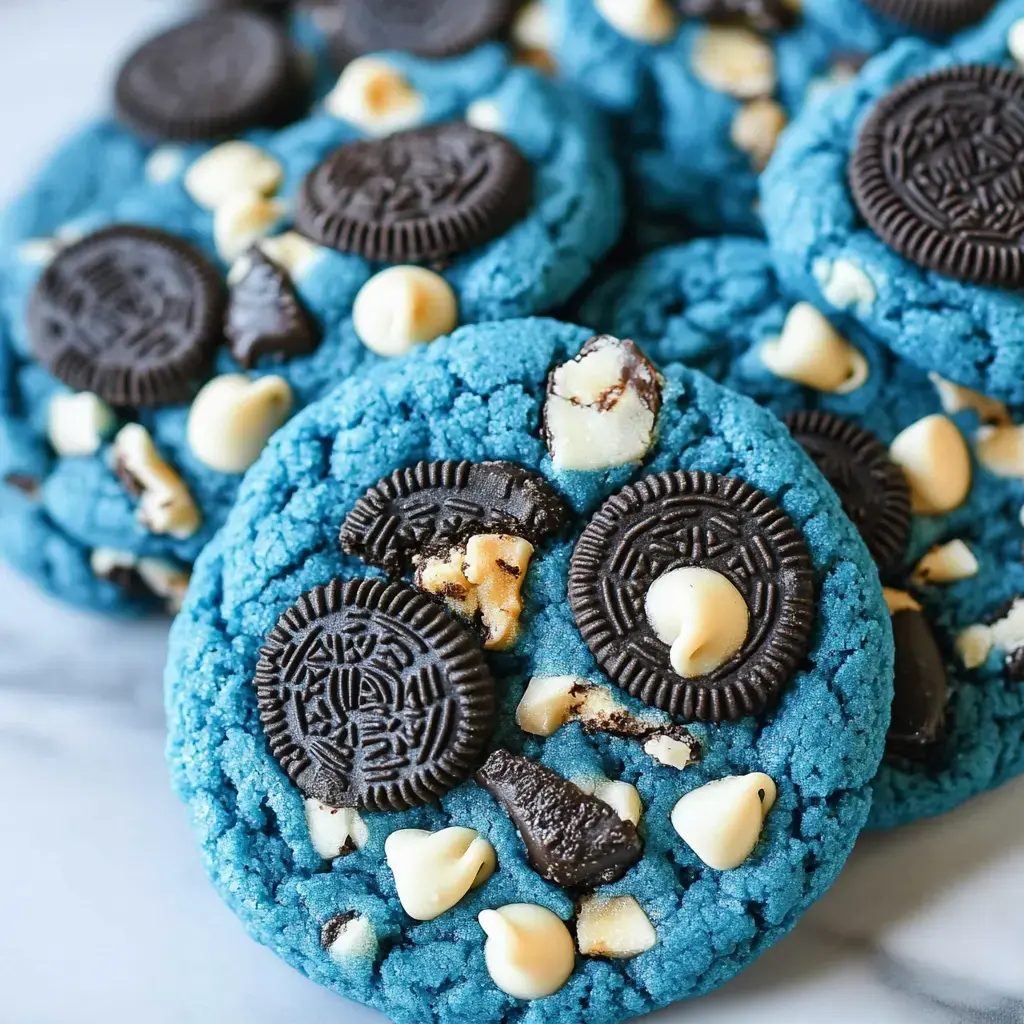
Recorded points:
371,696
764,15
212,77
129,313
433,506
428,28
415,196
572,839
934,16
873,490
672,520
936,173
918,724
265,315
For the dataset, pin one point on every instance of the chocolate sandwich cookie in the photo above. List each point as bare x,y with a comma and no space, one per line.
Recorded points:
162,311
929,472
896,202
575,856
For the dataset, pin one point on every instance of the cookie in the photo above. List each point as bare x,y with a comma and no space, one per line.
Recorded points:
168,289
583,795
703,89
924,266
925,469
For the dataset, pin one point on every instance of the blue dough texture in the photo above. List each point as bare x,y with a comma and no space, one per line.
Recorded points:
826,253
675,130
479,395
103,176
711,304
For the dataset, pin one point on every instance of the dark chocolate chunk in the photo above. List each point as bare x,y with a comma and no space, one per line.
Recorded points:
130,313
572,839
936,173
431,507
873,490
265,315
763,15
1013,665
331,928
429,28
918,724
672,520
212,77
271,8
416,196
934,16
28,485
372,696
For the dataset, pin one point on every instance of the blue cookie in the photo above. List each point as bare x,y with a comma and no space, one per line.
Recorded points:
60,505
695,133
713,304
480,396
826,252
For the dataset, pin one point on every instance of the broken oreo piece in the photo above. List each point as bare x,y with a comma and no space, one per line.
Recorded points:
873,490
129,313
934,16
372,696
265,315
763,15
918,725
428,28
935,170
212,77
670,521
572,839
429,508
416,196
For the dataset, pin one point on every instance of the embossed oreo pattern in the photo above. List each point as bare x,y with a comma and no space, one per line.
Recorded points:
418,195
130,313
938,16
372,696
872,488
214,76
936,173
432,506
671,520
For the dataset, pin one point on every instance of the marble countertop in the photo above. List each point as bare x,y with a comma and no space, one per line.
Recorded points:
106,914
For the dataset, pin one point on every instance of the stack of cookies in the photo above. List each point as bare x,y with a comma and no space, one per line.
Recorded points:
522,670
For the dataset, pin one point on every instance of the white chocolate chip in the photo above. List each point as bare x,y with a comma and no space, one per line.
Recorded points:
548,703
529,951
356,939
1015,41
532,27
899,601
955,398
232,418
78,424
231,168
644,21
165,504
486,115
721,821
735,61
403,307
621,797
376,97
812,352
670,751
434,870
613,926
843,284
756,128
1008,632
974,644
164,164
106,563
334,831
165,580
702,617
602,407
484,580
293,252
241,220
946,563
38,252
1001,450
937,464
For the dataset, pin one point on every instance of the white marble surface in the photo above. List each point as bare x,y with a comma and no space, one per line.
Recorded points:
104,911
